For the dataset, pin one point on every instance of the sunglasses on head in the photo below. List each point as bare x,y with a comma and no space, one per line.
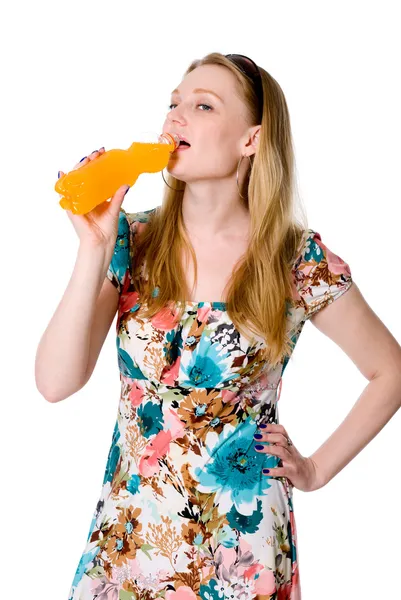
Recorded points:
251,70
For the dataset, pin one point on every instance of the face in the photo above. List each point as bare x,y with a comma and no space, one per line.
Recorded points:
208,112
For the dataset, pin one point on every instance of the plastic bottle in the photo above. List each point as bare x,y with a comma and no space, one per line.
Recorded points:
91,184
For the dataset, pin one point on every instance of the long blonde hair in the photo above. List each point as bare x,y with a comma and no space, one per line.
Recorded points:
257,293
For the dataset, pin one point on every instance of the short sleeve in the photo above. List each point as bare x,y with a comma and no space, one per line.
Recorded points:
120,262
321,276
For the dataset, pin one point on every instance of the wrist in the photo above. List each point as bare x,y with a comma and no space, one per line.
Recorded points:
95,255
319,479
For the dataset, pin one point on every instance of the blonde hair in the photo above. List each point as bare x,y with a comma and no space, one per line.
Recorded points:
257,293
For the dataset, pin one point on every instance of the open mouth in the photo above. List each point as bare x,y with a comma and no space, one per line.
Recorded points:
183,145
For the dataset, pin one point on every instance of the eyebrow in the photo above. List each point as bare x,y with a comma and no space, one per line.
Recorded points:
201,91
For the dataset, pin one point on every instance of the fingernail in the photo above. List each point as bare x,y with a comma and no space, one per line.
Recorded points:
263,425
266,470
259,447
258,436
82,159
126,189
102,148
58,176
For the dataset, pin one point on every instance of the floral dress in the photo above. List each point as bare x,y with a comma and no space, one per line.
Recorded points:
185,512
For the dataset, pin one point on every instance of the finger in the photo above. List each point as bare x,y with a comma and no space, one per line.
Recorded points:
118,199
88,158
275,472
83,161
96,153
272,428
274,451
274,438
278,439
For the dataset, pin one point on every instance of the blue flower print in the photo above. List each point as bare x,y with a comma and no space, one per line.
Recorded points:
209,591
173,346
121,256
207,368
133,484
235,468
313,250
126,365
150,418
245,523
227,537
198,539
114,455
86,558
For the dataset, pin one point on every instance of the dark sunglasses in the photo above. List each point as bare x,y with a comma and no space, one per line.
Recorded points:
251,70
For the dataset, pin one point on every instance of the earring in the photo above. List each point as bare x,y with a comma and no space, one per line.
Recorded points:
239,164
171,188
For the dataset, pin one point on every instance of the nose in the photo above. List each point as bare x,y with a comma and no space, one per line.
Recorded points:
176,115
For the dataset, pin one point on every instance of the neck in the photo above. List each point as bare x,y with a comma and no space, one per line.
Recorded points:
213,213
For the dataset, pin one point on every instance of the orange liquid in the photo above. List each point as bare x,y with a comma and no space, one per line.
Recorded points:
97,181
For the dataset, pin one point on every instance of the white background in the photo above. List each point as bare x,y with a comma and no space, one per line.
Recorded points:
79,75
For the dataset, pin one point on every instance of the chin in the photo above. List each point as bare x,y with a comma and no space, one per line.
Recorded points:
177,173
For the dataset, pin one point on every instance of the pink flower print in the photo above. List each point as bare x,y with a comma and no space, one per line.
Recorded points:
105,589
228,556
165,319
136,394
295,582
251,571
228,396
284,592
183,593
335,264
174,425
202,314
158,447
265,584
128,301
170,375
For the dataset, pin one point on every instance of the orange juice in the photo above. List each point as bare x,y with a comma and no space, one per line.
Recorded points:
93,183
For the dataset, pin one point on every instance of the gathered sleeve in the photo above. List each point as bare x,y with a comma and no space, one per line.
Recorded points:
321,276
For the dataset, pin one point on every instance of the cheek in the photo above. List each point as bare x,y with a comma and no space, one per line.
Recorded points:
217,143
222,151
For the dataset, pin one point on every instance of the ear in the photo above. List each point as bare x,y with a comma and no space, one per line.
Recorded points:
253,140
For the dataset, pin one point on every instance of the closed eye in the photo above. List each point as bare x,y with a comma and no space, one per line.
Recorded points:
209,108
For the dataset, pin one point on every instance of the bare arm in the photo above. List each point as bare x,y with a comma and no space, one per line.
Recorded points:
358,331
63,354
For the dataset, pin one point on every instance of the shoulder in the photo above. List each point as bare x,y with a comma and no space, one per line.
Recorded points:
314,251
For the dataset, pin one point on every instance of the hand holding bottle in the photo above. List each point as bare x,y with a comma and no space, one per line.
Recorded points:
94,182
99,226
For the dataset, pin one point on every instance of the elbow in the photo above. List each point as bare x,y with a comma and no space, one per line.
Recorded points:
57,395
55,391
48,396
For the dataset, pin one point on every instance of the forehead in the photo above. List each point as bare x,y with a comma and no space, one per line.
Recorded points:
211,77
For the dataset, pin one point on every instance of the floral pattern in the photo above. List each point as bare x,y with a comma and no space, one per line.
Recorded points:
185,512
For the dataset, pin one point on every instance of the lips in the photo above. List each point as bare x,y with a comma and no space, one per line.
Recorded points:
184,143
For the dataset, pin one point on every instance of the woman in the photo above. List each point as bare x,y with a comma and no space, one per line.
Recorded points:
196,499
